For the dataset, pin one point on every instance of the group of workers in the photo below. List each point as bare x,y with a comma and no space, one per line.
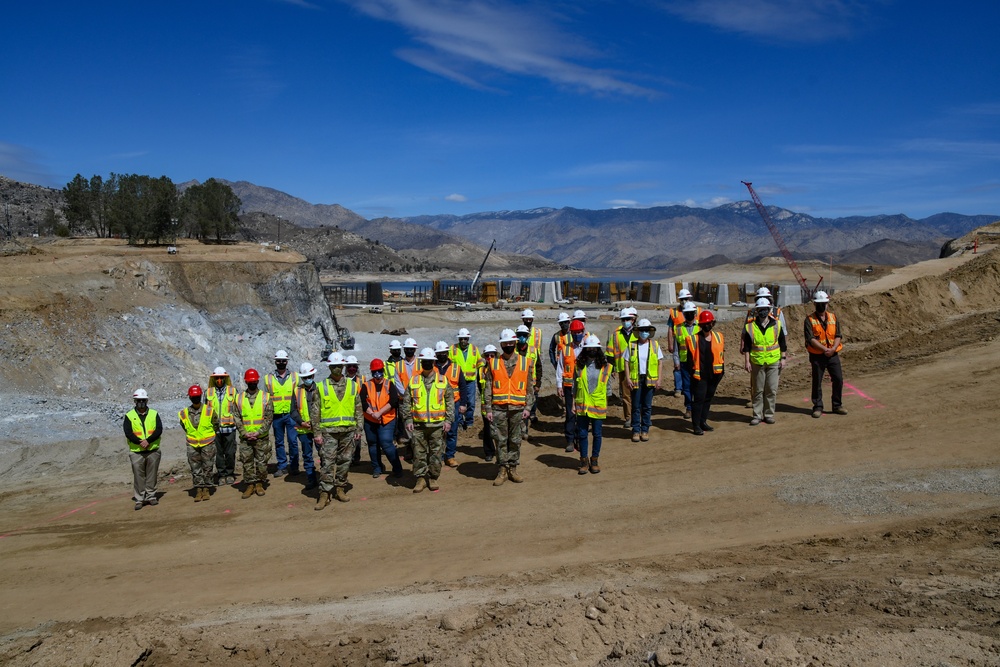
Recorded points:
413,404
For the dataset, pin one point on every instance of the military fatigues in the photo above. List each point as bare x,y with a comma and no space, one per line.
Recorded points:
201,443
427,437
254,454
339,431
507,419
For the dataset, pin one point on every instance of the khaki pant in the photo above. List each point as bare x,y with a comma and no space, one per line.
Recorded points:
507,434
145,466
626,395
764,388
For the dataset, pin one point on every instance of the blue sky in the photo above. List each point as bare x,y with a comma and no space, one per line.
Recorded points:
408,107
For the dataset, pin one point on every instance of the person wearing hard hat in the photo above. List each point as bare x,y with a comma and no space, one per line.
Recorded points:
824,342
559,337
534,335
590,400
525,349
466,356
143,429
676,318
200,422
509,394
254,416
683,331
426,409
395,356
456,380
565,374
305,413
222,398
580,316
489,445
380,403
618,342
707,364
764,353
280,386
776,313
341,426
643,361
405,369
353,374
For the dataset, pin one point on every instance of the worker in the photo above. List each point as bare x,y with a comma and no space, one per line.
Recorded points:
406,368
676,317
618,342
280,385
254,417
643,359
200,422
525,348
580,316
566,372
706,363
466,357
590,400
776,313
560,336
687,328
143,429
509,392
379,403
534,334
426,408
341,425
222,398
456,380
824,342
353,374
489,445
395,355
764,356
305,413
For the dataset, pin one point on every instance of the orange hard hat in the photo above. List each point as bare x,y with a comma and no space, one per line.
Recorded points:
706,317
251,375
194,390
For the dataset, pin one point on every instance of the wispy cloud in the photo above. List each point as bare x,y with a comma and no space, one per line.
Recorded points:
24,164
612,168
467,40
456,198
252,72
305,4
692,203
783,20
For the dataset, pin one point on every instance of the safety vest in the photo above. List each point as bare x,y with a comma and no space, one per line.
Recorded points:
615,348
224,407
403,373
333,411
652,361
302,398
681,334
204,433
452,375
718,356
390,369
281,391
427,407
142,428
677,316
594,405
825,335
764,348
359,380
568,353
510,390
379,399
252,410
468,360
775,313
532,357
535,341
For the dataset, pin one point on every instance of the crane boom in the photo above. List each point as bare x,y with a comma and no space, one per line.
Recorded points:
808,291
479,273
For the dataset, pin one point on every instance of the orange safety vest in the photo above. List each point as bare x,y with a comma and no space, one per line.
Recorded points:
379,399
452,375
826,335
694,354
402,373
510,390
568,353
677,316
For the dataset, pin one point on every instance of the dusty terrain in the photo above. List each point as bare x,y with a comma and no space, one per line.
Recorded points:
866,539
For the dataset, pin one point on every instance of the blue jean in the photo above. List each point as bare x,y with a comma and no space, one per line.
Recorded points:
685,386
308,462
451,437
380,442
584,424
571,432
469,398
679,381
642,406
285,425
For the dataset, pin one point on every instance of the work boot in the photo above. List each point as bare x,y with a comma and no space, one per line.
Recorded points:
205,493
817,413
594,467
512,474
432,484
420,485
259,488
840,410
312,482
644,437
501,476
197,495
322,501
340,493
584,465
687,414
451,463
248,491
635,437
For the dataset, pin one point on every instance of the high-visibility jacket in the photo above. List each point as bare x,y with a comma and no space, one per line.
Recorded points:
681,334
390,369
718,354
568,354
204,433
333,411
378,399
142,428
359,379
223,407
467,360
534,370
452,375
652,360
535,340
617,344
594,405
510,390
402,374
252,410
302,399
281,391
427,407
677,316
764,348
826,335
752,314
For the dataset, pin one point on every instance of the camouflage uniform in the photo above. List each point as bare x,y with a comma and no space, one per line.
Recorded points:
202,459
337,448
508,419
254,454
427,440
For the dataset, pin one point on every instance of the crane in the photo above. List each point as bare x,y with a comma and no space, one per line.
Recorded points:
806,290
479,273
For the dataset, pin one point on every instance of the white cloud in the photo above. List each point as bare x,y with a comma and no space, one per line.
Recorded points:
784,20
456,197
623,203
612,168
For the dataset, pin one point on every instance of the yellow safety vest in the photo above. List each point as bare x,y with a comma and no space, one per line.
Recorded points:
468,361
764,348
204,434
281,391
681,334
535,342
223,408
142,428
428,407
252,411
616,347
652,362
333,411
303,401
594,405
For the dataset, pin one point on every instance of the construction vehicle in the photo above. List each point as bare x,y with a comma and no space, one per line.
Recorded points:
479,274
807,292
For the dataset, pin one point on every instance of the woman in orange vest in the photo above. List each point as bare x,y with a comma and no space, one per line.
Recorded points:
706,363
379,402
824,343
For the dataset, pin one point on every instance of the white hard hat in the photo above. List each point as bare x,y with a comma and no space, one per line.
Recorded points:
579,315
592,341
563,317
394,345
689,307
441,346
626,312
489,348
307,370
632,311
507,336
351,360
281,354
762,303
219,370
427,354
140,393
763,291
336,359
463,333
643,323
821,297
684,294
409,342
522,328
527,314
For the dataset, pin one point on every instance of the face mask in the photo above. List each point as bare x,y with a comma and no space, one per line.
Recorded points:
280,365
522,339
378,375
307,381
409,352
564,326
644,335
705,328
577,337
627,324
140,405
689,316
820,307
426,364
352,370
336,371
251,386
442,359
762,314
196,400
507,348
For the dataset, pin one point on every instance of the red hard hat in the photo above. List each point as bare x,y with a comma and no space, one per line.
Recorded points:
251,375
706,317
576,326
194,390
377,365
